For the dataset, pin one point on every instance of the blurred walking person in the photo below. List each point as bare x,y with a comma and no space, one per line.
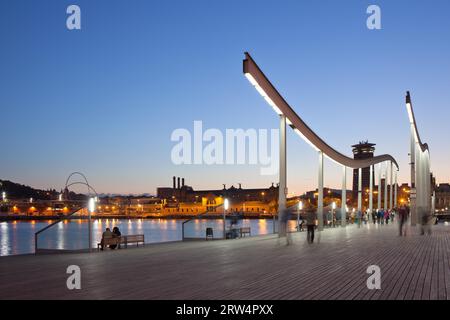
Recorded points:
381,216
386,216
311,217
402,217
425,226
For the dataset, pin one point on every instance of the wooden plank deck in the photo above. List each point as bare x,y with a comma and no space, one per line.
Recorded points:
412,267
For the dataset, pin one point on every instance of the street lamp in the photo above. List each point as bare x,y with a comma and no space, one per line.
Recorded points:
91,209
226,204
4,196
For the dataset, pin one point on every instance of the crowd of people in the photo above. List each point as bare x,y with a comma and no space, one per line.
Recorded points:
383,216
380,217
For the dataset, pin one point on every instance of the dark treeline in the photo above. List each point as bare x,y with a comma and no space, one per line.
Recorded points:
19,191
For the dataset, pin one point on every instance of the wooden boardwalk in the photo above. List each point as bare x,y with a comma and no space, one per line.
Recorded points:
412,267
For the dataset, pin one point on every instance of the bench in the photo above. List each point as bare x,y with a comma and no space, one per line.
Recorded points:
108,242
137,238
244,231
238,232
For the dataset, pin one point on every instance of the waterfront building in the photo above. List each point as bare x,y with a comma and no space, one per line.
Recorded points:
443,196
181,198
184,193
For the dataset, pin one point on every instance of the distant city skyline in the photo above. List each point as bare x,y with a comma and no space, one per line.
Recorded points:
105,99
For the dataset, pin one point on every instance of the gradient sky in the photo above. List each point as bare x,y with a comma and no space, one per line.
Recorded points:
105,100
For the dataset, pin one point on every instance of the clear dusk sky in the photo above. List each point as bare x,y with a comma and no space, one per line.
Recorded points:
105,99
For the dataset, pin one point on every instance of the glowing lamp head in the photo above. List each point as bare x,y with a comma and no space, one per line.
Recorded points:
91,205
333,205
226,204
300,205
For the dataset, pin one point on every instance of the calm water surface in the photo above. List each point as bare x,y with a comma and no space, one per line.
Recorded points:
17,237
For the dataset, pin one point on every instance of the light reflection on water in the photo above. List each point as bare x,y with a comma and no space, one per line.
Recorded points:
17,237
4,238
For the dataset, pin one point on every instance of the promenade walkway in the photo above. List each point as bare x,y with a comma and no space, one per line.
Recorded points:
412,267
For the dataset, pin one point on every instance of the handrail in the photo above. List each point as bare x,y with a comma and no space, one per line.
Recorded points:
274,98
51,225
194,218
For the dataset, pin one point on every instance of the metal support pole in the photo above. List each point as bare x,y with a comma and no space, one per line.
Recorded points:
371,190
282,190
320,193
422,195
391,191
418,190
90,231
433,203
395,190
379,187
224,224
344,197
413,191
360,190
274,224
385,188
422,183
428,181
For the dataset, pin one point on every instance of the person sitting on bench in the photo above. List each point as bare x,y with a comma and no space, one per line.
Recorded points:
106,235
116,234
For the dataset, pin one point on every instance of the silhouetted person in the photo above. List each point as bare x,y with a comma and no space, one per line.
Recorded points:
311,217
329,219
301,225
106,235
381,216
115,234
386,216
402,217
